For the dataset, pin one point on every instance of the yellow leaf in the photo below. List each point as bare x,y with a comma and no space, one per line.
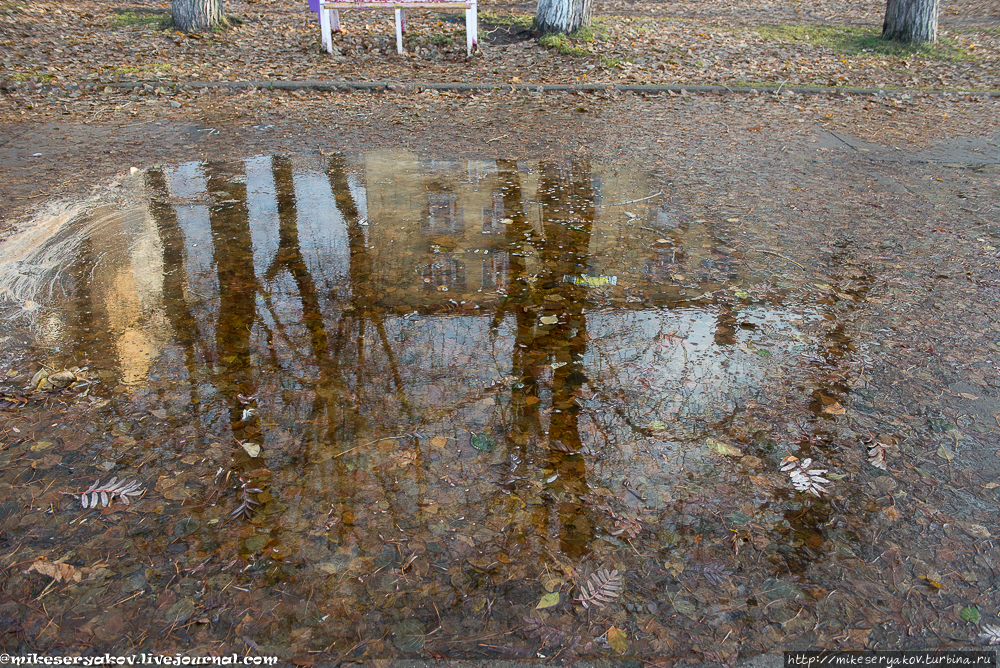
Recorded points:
439,441
618,640
552,582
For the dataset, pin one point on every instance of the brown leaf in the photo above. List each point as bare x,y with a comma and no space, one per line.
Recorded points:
892,513
57,571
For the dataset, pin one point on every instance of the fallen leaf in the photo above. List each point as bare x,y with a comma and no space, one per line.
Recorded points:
252,449
892,513
970,614
57,571
723,448
548,601
552,582
618,640
834,409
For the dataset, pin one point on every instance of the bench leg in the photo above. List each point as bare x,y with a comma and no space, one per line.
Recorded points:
471,28
324,26
336,20
400,20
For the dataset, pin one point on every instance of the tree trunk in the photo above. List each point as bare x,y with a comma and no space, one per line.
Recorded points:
564,16
197,15
910,21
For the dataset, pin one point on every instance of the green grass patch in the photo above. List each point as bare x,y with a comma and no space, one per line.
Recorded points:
610,62
570,45
11,8
862,41
441,40
132,69
28,76
561,44
143,19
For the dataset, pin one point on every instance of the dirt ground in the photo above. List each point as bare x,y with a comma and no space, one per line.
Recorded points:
65,127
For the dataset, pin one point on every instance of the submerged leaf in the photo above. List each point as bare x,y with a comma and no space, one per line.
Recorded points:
252,449
804,478
723,448
600,588
991,633
876,457
618,640
970,614
409,636
548,601
107,493
483,442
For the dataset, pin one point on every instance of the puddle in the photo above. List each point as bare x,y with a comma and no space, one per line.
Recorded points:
388,406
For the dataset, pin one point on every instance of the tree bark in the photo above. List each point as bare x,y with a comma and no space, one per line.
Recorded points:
197,15
563,16
911,21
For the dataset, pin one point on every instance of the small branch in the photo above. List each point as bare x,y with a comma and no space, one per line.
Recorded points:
761,250
633,201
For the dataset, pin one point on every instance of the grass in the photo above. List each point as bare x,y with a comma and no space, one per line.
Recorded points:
9,7
132,69
862,41
147,19
441,40
614,62
28,76
569,45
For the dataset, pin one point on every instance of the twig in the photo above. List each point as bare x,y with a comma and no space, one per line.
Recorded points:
361,445
761,250
498,138
633,201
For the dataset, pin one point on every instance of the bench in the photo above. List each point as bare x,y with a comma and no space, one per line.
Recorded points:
329,17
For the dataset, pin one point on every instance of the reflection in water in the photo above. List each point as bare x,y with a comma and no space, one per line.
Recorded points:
454,373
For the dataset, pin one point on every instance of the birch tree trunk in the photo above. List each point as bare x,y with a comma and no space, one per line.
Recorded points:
197,15
564,16
910,21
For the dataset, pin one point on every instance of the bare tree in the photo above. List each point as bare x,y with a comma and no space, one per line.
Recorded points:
910,21
197,15
562,16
